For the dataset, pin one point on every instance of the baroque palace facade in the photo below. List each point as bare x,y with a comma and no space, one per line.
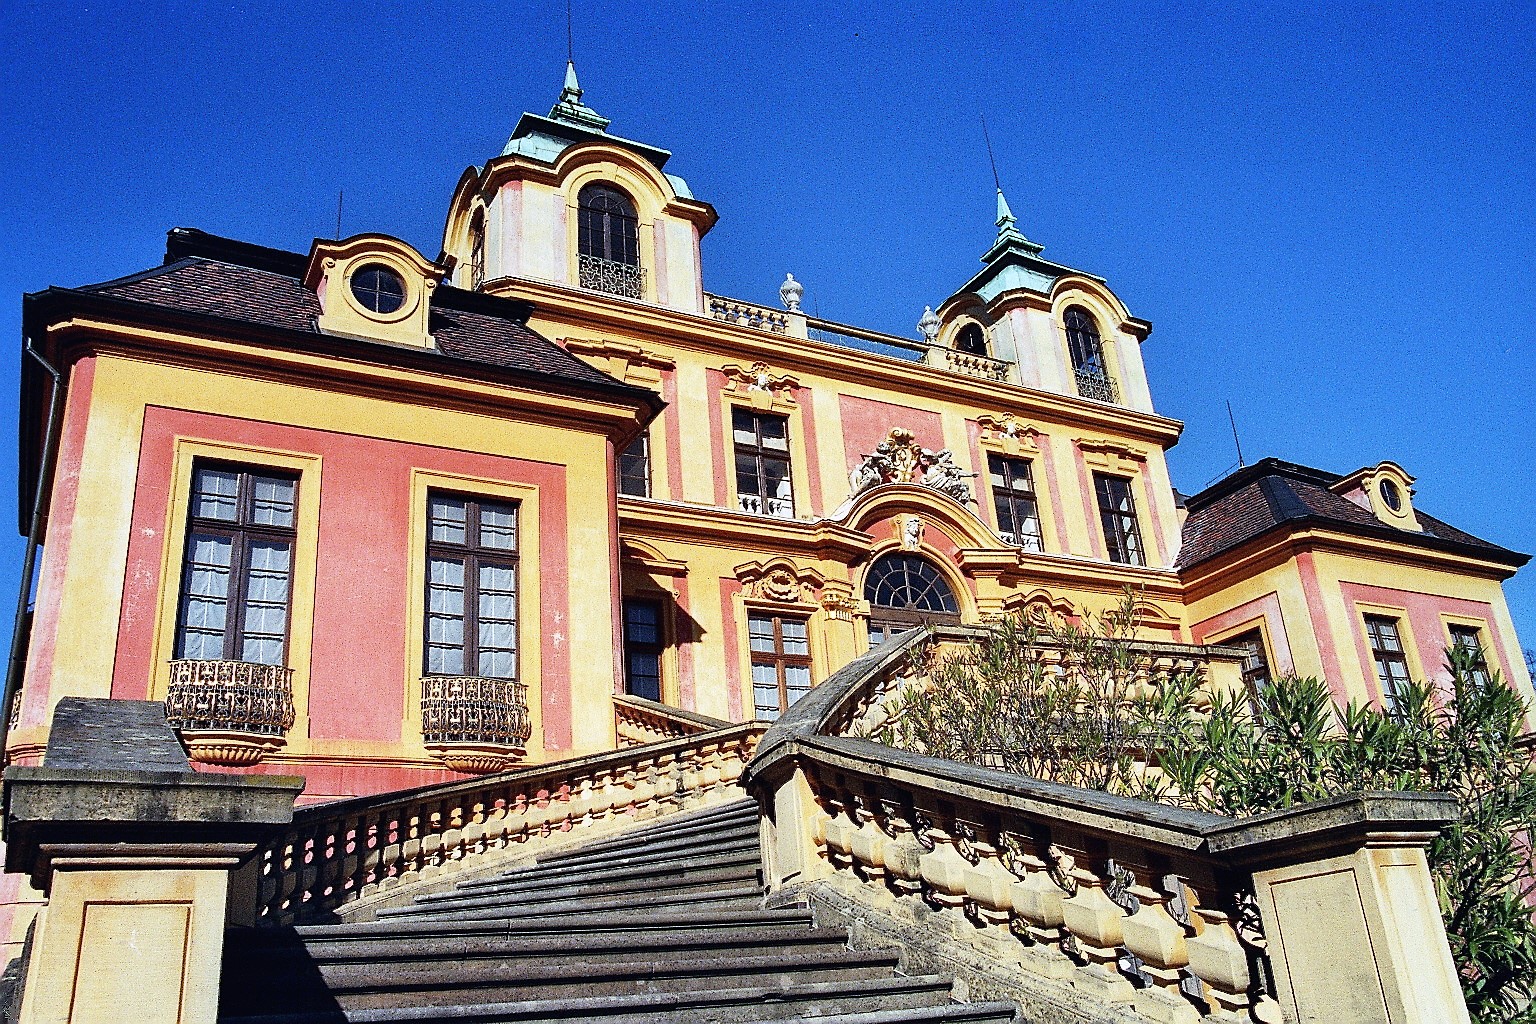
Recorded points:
379,519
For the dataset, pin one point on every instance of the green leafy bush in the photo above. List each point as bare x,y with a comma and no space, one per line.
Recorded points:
1080,703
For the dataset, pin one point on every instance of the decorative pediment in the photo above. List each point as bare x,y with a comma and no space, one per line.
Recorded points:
779,580
1040,605
626,361
1106,453
899,459
1009,432
759,385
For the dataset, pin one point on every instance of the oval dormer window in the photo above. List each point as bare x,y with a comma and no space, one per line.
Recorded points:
378,288
1392,495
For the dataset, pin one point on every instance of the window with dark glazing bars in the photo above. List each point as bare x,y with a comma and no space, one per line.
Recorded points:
237,574
1391,662
781,662
1083,341
642,647
635,467
477,254
606,225
762,463
471,622
1255,661
1470,640
1117,513
1013,498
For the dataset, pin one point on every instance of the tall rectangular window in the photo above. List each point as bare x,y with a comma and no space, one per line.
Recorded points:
762,463
781,662
237,576
1391,663
1255,661
635,467
642,647
1117,513
1013,498
471,622
1470,640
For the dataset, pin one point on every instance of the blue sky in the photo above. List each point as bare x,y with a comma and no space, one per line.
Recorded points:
1325,213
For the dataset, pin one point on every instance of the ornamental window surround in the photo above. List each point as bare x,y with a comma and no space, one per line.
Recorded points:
1117,516
781,662
1014,501
471,619
761,447
1386,644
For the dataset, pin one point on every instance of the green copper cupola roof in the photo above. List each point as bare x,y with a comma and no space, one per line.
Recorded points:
571,121
1013,261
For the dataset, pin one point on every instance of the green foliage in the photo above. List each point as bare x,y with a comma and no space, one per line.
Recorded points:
1072,703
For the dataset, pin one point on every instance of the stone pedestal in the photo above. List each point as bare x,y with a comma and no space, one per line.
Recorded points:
136,866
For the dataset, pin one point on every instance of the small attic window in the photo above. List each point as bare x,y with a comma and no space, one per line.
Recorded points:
971,340
1391,494
378,288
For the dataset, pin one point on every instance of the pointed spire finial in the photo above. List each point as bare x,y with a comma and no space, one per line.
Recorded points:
571,93
1005,217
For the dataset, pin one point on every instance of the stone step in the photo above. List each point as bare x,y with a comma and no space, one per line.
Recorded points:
562,947
979,1013
659,871
698,881
726,818
746,1004
382,986
634,844
740,898
659,852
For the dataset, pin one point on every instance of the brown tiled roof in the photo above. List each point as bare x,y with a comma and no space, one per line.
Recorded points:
465,326
1272,493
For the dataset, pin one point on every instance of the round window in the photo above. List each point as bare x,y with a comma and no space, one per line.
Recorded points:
378,288
1392,495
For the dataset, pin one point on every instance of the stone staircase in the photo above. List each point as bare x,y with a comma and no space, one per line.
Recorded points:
661,922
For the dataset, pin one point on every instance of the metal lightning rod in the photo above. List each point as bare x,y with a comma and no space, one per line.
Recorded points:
1233,420
987,136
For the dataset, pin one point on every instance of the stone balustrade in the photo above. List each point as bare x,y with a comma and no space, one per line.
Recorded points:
746,314
354,849
1320,912
229,712
637,720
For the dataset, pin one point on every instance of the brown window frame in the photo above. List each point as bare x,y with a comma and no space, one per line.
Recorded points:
1256,670
760,456
778,657
1384,657
609,232
1010,497
240,532
475,556
628,457
657,648
477,252
1481,676
1123,540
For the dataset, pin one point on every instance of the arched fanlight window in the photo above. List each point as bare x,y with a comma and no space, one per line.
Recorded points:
971,340
607,227
1083,341
477,252
906,590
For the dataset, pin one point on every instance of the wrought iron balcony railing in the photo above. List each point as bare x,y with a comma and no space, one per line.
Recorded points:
600,275
1096,384
474,723
229,712
973,365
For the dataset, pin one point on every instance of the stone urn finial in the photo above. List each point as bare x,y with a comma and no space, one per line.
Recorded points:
790,292
928,325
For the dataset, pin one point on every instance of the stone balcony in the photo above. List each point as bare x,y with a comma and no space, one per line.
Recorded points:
230,712
474,723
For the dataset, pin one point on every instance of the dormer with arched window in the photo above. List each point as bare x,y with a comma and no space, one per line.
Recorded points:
971,340
570,205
